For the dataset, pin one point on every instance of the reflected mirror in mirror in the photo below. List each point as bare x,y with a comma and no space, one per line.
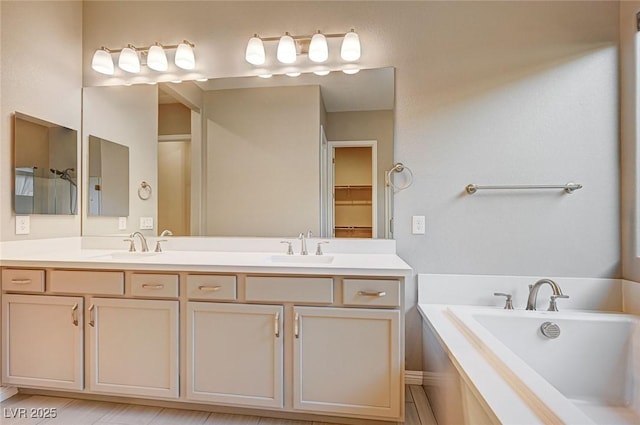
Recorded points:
45,167
108,178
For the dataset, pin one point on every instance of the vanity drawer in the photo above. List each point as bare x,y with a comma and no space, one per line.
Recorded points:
211,287
154,285
87,282
289,289
23,280
371,292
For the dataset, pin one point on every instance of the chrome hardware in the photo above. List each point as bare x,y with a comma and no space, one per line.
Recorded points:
277,324
296,326
74,314
152,285
552,302
205,288
533,291
289,247
158,247
550,330
568,188
21,281
303,244
508,305
319,248
132,244
143,241
372,293
92,321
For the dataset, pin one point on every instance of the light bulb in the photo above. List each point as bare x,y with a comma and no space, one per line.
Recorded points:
129,60
318,49
286,52
157,59
351,71
265,75
293,74
102,62
350,50
185,58
255,51
322,73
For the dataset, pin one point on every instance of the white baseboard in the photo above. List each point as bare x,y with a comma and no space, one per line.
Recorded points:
7,392
413,377
428,379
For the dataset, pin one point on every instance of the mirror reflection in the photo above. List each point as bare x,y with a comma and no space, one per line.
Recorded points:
255,157
108,178
45,167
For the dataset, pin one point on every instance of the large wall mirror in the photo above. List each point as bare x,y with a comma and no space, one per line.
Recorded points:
255,158
45,167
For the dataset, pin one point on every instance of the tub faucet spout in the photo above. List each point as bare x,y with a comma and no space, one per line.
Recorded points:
143,241
533,292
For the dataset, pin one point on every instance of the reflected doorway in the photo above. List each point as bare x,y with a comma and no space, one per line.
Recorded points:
174,184
353,179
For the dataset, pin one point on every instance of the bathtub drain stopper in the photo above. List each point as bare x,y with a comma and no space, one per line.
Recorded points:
550,330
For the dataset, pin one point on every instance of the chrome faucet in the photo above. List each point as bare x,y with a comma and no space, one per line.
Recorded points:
143,241
162,235
533,294
303,244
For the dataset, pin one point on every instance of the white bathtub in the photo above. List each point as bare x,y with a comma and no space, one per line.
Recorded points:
593,365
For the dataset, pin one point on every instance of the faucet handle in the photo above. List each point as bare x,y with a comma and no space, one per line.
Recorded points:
319,248
132,245
552,302
289,248
508,305
158,247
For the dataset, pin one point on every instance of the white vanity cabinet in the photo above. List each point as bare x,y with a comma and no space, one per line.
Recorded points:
42,341
235,354
133,347
347,360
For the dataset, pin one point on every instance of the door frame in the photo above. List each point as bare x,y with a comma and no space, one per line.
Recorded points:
330,172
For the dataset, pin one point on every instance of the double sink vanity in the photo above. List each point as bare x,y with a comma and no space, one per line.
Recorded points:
222,322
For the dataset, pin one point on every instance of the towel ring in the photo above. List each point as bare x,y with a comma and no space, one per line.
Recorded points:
144,191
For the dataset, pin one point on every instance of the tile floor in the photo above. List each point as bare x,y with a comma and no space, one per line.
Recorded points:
85,412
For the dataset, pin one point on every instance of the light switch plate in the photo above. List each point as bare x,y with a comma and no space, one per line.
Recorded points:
418,225
146,223
122,223
23,225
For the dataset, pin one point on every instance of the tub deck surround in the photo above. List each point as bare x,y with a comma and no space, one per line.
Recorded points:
486,350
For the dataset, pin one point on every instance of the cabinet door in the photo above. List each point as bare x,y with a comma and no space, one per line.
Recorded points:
347,361
234,354
133,347
42,341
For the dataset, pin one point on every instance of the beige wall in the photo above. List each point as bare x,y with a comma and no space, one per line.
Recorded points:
48,88
262,161
127,116
174,118
367,125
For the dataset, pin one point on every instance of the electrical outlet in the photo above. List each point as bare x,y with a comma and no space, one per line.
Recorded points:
146,223
418,225
23,225
122,223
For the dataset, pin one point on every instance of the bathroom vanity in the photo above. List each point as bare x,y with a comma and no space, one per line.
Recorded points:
242,329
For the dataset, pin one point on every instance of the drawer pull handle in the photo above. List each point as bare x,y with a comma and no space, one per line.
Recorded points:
277,324
372,293
205,288
296,326
74,314
152,285
92,322
21,281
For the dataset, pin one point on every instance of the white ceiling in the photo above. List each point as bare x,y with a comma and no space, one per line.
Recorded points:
370,89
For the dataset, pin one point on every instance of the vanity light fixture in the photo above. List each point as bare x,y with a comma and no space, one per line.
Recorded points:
322,73
351,71
294,74
265,75
315,46
129,58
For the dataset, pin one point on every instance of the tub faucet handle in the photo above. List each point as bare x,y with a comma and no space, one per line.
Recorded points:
132,245
508,305
552,303
289,247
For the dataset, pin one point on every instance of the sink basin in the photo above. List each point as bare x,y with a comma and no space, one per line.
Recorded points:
126,255
302,259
